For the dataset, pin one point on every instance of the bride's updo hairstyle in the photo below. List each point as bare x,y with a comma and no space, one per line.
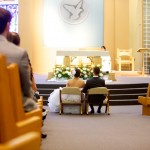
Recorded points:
77,74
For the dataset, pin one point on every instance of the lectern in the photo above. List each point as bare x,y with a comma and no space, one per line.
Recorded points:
142,50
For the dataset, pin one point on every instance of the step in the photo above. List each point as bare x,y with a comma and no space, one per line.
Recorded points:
128,90
125,96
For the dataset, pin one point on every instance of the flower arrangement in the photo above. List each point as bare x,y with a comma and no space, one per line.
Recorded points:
63,72
87,72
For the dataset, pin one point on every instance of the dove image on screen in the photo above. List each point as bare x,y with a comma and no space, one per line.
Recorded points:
74,11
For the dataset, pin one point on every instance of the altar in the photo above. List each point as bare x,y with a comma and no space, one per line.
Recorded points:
77,58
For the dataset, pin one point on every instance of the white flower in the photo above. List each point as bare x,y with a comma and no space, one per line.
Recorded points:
67,68
66,72
84,72
69,73
85,76
73,72
57,69
59,75
101,74
98,65
84,69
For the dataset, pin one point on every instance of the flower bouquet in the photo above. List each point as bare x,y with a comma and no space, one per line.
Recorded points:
63,72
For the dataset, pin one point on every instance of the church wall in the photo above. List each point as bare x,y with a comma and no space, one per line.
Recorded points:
135,24
31,32
116,27
109,28
25,25
118,31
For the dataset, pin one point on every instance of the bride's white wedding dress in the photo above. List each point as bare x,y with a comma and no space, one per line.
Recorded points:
54,102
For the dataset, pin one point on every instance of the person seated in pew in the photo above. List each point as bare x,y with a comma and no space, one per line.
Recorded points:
93,82
54,98
15,54
15,39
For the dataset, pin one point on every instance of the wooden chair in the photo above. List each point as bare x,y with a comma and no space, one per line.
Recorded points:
145,101
9,127
28,141
124,57
99,90
70,91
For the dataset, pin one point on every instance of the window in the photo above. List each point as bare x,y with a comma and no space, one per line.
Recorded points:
12,6
146,35
146,24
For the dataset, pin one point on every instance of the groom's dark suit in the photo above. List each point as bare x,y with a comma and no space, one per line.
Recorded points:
92,83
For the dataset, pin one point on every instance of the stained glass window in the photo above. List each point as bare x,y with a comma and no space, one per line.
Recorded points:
13,8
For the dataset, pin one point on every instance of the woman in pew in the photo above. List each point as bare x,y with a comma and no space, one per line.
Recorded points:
54,98
15,39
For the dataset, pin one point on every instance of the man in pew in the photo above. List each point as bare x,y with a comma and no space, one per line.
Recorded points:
19,56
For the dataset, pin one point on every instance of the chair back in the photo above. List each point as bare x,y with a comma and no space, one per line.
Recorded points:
71,90
98,90
124,53
66,97
124,57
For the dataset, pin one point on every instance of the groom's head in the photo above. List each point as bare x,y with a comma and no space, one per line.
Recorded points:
96,71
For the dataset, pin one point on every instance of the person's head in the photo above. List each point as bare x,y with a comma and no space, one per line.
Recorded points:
103,47
77,73
5,19
96,71
14,38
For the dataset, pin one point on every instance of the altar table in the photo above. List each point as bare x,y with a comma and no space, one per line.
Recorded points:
96,57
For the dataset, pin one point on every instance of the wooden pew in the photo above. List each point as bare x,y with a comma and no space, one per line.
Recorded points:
9,127
145,101
28,141
16,95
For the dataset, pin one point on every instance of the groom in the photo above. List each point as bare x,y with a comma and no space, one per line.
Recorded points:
95,81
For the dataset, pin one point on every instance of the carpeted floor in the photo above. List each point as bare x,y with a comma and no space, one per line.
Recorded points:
124,129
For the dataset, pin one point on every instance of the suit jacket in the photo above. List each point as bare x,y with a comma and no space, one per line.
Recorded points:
15,54
92,83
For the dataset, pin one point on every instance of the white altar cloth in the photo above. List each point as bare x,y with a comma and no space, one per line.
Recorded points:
106,62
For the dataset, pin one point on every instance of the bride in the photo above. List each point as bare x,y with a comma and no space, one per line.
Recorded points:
54,98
